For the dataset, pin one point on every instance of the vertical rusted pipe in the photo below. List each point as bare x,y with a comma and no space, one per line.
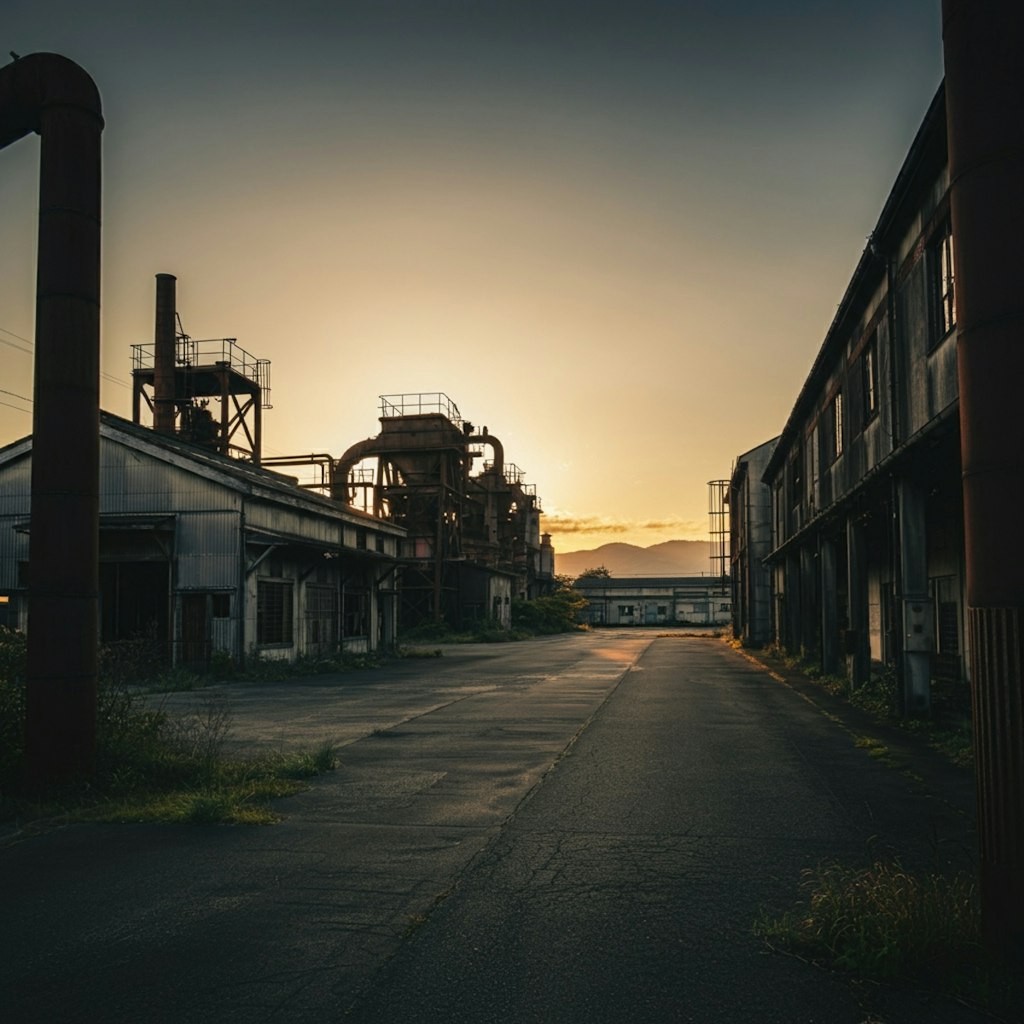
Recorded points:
52,96
984,56
164,340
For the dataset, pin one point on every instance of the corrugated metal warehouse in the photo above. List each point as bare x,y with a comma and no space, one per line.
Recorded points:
215,554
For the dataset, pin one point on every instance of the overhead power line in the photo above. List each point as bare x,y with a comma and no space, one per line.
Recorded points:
28,351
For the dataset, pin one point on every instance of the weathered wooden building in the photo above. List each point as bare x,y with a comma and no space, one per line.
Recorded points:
867,536
210,553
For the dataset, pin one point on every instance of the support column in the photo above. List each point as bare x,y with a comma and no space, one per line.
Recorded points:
809,619
858,647
983,42
918,617
792,604
829,607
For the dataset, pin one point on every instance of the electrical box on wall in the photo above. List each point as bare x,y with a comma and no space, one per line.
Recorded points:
918,624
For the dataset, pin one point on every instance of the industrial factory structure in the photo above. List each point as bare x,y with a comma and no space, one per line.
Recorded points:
847,530
473,538
206,546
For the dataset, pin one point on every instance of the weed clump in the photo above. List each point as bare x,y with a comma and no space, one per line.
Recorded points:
882,922
483,631
150,766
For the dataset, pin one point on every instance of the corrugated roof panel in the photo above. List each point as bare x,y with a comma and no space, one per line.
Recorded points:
133,481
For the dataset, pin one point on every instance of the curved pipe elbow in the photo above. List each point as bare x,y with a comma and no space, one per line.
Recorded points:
498,461
359,451
32,85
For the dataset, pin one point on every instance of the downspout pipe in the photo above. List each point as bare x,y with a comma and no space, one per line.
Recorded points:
52,96
983,44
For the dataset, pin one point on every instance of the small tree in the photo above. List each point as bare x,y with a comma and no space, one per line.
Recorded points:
599,572
543,616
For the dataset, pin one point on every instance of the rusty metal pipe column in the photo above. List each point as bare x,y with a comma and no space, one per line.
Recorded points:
984,56
51,95
164,355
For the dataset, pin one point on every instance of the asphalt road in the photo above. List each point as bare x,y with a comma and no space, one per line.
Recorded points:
574,829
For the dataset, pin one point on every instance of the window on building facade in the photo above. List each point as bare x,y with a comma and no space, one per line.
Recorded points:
869,378
796,477
837,425
625,609
830,431
356,620
941,298
829,435
274,612
321,614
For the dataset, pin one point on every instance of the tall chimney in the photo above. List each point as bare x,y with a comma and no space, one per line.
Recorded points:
164,354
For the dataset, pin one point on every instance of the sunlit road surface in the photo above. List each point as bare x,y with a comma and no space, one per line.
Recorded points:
572,829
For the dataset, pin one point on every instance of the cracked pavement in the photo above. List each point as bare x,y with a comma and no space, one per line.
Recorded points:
568,829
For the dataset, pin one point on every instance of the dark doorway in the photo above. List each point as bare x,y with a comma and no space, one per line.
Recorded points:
194,651
133,600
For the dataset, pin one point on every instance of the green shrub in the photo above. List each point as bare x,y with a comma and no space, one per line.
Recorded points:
483,631
222,665
12,704
139,659
429,631
543,616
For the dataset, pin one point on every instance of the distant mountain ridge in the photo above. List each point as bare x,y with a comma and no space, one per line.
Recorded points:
670,558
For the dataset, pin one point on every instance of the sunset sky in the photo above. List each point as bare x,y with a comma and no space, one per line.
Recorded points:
614,233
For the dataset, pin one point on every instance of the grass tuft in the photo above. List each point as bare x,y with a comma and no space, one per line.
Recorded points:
882,922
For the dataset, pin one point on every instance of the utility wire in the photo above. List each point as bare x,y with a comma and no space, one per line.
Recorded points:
15,407
14,345
28,351
13,335
14,394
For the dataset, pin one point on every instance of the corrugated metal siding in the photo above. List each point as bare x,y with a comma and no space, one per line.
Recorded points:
15,501
16,493
207,546
133,481
292,523
943,383
13,549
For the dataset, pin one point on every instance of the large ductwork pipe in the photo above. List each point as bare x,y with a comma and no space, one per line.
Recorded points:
498,462
984,56
340,489
52,96
164,342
